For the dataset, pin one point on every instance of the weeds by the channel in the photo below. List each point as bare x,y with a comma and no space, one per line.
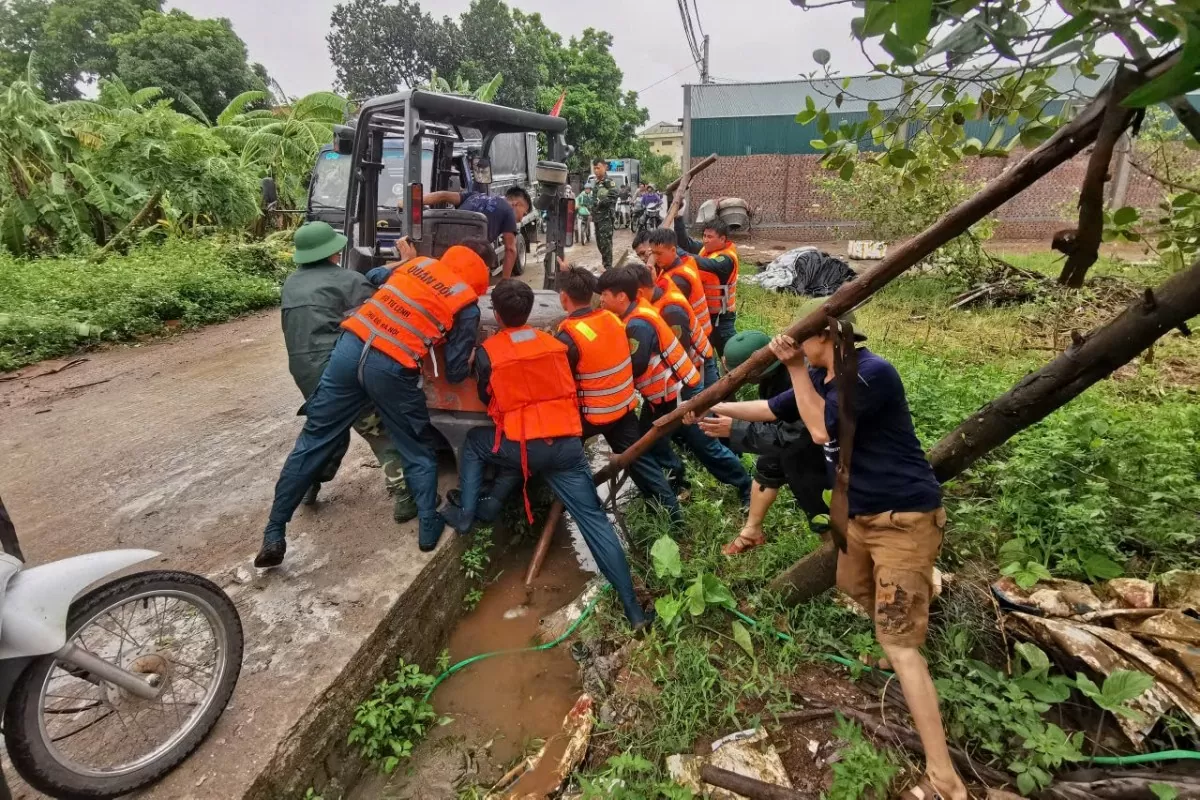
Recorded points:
475,561
862,771
395,718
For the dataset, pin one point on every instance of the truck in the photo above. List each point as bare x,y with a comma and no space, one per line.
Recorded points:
462,143
513,159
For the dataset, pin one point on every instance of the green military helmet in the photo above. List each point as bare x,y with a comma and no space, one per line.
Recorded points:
316,241
742,345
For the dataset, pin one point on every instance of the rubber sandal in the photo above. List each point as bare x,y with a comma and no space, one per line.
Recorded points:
742,544
922,791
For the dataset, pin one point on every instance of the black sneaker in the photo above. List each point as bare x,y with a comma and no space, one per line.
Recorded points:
271,554
310,497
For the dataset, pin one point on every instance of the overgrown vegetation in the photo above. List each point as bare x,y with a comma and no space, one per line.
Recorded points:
395,718
54,305
1102,486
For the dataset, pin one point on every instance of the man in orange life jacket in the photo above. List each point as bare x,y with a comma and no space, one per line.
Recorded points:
600,359
526,381
420,303
717,259
663,373
674,268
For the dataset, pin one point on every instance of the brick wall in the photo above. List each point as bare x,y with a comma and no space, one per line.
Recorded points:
784,195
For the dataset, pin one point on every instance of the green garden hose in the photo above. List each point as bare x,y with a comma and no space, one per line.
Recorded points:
1118,761
466,662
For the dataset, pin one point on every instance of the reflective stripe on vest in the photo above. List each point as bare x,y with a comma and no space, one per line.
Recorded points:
701,347
604,370
669,368
412,311
721,297
686,268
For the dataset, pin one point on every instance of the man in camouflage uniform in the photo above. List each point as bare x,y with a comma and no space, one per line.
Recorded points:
316,298
602,210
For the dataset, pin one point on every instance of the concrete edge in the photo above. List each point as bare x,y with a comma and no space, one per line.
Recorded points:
315,752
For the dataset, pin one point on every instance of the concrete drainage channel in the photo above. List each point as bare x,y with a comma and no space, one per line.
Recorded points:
315,753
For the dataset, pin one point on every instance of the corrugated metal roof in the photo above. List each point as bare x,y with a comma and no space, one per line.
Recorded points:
662,128
716,100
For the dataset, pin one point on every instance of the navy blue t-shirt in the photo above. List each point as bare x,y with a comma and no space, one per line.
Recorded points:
888,469
499,213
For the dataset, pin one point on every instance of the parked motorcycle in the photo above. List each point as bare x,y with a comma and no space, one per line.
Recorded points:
108,691
649,216
623,214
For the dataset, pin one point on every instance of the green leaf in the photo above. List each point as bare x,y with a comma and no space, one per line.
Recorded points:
900,156
1163,791
1035,134
912,20
1000,42
1180,79
742,636
695,597
717,593
805,117
847,170
668,609
898,49
817,144
1124,685
962,41
1038,661
839,99
665,555
1125,216
972,147
1100,567
1068,31
881,15
1026,784
1161,29
809,105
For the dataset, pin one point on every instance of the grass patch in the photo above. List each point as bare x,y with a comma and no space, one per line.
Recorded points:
53,306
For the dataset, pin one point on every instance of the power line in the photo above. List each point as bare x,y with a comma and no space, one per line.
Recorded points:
689,33
699,24
672,75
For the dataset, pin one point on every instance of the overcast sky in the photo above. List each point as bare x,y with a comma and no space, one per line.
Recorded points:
751,40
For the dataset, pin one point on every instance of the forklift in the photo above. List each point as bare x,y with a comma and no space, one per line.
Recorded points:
451,123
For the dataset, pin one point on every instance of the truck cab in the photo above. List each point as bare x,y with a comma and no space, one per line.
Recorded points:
409,143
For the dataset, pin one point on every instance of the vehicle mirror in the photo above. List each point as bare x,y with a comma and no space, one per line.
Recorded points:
270,193
343,139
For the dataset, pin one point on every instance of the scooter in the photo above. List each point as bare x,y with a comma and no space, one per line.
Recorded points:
649,216
107,691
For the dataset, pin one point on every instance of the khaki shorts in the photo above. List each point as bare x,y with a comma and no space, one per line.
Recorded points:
888,569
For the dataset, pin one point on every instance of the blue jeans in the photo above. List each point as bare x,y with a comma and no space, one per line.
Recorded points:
710,372
562,464
646,472
723,330
714,456
337,402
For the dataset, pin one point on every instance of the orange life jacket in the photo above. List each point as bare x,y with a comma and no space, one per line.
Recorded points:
413,310
532,389
670,368
604,374
695,294
701,348
721,297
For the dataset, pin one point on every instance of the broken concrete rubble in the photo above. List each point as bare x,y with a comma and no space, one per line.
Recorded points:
750,753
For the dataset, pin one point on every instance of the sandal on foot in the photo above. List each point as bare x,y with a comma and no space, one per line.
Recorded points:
923,790
742,544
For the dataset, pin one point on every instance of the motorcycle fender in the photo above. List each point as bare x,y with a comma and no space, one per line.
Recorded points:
33,621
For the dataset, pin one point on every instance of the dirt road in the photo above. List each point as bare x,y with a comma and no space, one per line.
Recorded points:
175,446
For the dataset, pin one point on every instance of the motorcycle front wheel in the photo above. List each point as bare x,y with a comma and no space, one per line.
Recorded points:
73,735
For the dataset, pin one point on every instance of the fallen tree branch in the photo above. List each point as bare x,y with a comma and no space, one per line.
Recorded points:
695,169
683,183
1096,356
749,787
1090,230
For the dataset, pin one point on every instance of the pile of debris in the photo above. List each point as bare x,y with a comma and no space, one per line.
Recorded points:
806,271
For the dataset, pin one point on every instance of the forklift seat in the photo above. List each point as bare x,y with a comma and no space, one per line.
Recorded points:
446,227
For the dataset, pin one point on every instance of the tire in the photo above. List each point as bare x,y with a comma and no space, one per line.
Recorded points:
24,736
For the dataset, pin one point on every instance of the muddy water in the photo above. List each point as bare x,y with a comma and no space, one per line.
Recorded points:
513,699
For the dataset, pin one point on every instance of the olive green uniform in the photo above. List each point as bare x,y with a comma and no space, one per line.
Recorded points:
316,297
602,217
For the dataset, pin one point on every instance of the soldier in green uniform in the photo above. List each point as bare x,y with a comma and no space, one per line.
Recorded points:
316,298
602,210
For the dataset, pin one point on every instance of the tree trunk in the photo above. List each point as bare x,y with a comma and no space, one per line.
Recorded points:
1035,397
1091,193
749,787
133,225
1085,362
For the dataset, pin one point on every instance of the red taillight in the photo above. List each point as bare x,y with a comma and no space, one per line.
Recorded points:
570,240
416,208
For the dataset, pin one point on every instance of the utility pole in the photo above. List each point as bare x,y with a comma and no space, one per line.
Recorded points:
704,63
